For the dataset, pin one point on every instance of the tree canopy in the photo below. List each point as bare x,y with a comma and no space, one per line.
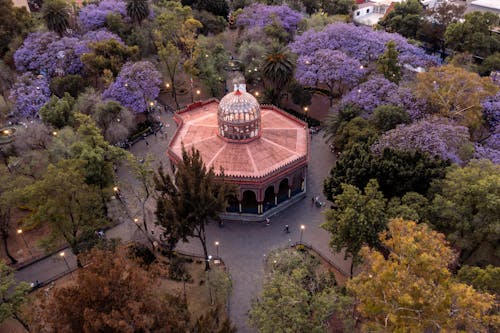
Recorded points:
412,289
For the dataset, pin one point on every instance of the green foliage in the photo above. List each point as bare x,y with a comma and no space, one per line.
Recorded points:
338,119
215,7
278,66
388,63
387,117
212,24
484,279
295,298
397,172
466,208
404,19
13,295
71,84
411,288
412,206
337,7
356,131
473,35
108,55
210,63
58,112
14,21
65,202
186,204
356,219
56,15
137,10
490,64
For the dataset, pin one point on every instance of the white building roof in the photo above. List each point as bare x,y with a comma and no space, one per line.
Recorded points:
493,4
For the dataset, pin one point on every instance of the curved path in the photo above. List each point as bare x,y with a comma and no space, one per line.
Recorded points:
242,245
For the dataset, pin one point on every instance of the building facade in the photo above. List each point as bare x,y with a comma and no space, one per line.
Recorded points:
259,148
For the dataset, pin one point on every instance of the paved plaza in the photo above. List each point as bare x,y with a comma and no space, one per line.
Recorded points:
243,246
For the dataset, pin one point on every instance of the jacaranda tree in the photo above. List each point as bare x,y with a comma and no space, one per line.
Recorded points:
136,86
29,94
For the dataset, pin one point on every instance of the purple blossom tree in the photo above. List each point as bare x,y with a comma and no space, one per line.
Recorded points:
45,52
29,94
362,43
93,16
333,69
433,135
136,85
380,91
92,37
483,152
491,112
260,15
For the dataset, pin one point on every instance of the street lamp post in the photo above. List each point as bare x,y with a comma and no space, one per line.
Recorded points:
302,227
20,232
217,248
63,255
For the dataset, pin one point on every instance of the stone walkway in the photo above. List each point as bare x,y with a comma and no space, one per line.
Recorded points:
243,246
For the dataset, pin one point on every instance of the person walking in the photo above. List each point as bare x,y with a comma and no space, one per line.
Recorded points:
287,230
268,221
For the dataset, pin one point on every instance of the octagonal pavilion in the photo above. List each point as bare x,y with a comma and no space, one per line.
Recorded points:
262,150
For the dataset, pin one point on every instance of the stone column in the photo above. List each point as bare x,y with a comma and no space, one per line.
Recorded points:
260,208
276,199
289,192
239,205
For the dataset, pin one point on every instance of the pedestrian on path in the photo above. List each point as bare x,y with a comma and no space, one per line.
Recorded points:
287,230
268,221
312,201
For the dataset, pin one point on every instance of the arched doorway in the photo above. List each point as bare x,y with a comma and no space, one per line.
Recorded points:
296,185
232,204
249,203
269,198
283,191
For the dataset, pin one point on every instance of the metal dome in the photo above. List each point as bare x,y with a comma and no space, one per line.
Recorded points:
239,116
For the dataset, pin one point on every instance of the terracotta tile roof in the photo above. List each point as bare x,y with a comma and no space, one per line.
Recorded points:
284,141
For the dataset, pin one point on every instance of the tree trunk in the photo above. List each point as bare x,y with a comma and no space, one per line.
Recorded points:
103,199
78,262
11,258
144,215
203,241
352,268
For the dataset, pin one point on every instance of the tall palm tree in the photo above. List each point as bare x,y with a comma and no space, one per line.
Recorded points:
137,10
56,15
278,67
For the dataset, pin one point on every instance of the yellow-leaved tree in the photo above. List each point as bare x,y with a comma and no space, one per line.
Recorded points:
412,290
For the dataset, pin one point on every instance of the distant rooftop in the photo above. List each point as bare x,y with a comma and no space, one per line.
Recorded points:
493,4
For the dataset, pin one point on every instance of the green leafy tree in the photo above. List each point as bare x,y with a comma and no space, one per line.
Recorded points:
441,16
490,64
187,202
355,131
466,208
356,220
338,119
56,15
137,10
14,21
13,295
63,200
295,298
278,68
170,64
144,175
108,55
9,182
397,172
71,84
412,290
388,63
473,34
58,112
405,18
210,64
337,7
115,121
387,117
485,279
